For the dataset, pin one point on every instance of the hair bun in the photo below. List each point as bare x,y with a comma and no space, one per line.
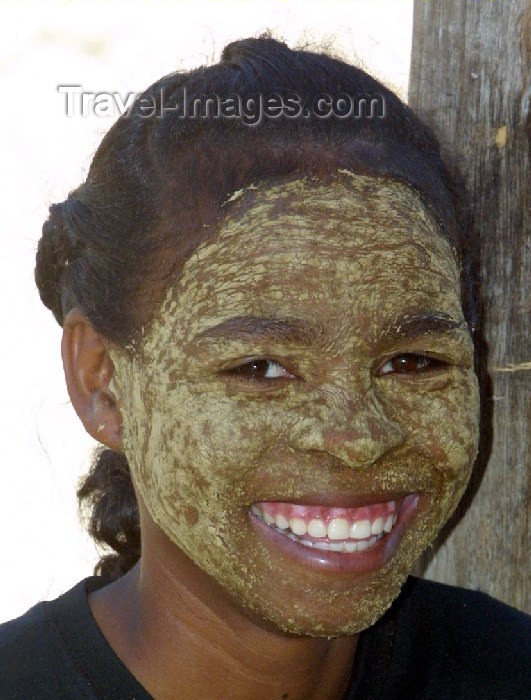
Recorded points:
252,48
54,253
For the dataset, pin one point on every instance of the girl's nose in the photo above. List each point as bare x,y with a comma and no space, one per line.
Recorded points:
358,434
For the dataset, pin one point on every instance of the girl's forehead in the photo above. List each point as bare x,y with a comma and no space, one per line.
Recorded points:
305,234
353,248
342,216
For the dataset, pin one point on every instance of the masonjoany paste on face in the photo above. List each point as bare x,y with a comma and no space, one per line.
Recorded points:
347,255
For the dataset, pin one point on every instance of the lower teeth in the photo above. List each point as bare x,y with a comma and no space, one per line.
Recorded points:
349,547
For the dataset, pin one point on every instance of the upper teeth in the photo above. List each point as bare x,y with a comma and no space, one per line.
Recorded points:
334,528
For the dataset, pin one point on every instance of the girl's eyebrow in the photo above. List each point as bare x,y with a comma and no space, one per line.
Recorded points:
416,325
296,331
293,331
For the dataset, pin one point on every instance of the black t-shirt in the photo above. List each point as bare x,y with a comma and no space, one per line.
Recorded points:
436,642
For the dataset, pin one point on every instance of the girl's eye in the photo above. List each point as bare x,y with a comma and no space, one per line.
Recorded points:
403,364
263,370
260,370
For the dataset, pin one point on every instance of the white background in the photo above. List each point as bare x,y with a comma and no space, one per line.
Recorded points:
103,45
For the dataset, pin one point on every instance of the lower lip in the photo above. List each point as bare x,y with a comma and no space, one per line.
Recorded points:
336,562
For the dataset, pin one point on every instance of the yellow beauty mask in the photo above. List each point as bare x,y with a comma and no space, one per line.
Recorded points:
316,346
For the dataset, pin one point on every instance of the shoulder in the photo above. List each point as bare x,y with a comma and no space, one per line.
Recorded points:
34,658
29,654
29,633
462,642
460,609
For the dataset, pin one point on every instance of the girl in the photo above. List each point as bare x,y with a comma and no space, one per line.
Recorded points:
268,306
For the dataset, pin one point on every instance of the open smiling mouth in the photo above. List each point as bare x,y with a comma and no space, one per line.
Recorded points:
333,538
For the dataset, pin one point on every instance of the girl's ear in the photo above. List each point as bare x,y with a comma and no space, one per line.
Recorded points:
88,371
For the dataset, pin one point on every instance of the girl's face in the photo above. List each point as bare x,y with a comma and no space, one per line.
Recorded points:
312,368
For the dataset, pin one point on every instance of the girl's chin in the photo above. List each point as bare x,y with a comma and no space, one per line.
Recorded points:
352,612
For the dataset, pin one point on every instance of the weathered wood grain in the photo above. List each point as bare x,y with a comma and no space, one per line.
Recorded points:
469,80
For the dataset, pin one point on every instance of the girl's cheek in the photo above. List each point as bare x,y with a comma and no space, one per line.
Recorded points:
441,419
229,437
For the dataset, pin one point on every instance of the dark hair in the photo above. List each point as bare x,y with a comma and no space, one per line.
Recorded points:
155,188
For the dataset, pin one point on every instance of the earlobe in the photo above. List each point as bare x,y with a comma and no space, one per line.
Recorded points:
88,371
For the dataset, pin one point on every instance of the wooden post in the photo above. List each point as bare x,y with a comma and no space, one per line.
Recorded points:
469,82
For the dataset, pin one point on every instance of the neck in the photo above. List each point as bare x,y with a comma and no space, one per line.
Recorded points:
181,635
